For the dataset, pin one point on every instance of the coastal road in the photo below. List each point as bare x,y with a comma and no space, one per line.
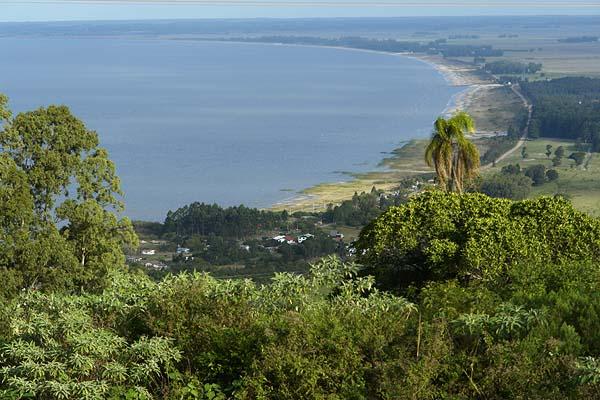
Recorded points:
517,90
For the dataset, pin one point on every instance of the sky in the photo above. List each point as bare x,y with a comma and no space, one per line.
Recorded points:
57,10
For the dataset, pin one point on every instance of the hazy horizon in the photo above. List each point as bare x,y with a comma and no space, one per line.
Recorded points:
55,10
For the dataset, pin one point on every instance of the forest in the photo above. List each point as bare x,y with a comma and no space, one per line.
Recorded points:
451,295
505,67
439,46
566,108
234,222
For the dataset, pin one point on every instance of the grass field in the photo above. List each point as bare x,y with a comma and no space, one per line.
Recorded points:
539,44
494,109
580,184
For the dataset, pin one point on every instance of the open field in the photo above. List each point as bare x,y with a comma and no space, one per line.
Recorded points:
494,108
580,184
534,43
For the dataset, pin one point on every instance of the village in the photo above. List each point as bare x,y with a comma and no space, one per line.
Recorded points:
160,254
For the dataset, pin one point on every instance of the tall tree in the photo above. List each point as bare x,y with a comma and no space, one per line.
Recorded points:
68,231
453,156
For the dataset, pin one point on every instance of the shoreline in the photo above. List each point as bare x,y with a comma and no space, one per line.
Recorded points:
402,162
453,74
316,197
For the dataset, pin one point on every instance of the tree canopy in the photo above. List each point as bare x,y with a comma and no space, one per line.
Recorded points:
60,199
441,235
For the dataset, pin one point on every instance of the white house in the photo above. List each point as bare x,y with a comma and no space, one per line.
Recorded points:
156,266
305,237
183,250
148,252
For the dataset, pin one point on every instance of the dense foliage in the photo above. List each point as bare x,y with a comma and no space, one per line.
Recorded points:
58,197
364,207
474,237
505,67
567,108
236,222
329,334
507,186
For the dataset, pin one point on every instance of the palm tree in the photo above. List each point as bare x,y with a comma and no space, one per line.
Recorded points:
454,157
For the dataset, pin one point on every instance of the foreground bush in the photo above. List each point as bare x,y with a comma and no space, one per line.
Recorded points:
329,334
440,235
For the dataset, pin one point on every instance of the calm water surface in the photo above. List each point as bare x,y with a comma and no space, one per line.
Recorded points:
221,122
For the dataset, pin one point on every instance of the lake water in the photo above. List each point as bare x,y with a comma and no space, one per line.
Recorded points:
222,122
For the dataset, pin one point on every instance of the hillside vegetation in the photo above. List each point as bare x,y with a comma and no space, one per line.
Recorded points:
458,296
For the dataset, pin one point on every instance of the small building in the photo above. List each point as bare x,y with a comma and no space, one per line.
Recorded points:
183,250
305,237
156,266
279,238
290,240
148,252
336,235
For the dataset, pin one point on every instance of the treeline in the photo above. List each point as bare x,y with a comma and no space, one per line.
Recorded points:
386,45
579,39
364,207
512,67
259,258
566,108
235,222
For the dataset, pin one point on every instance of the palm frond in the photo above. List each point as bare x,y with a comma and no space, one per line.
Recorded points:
453,156
463,121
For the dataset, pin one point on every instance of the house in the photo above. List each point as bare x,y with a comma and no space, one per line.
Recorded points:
156,266
148,252
290,240
280,238
303,238
336,235
245,247
183,250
